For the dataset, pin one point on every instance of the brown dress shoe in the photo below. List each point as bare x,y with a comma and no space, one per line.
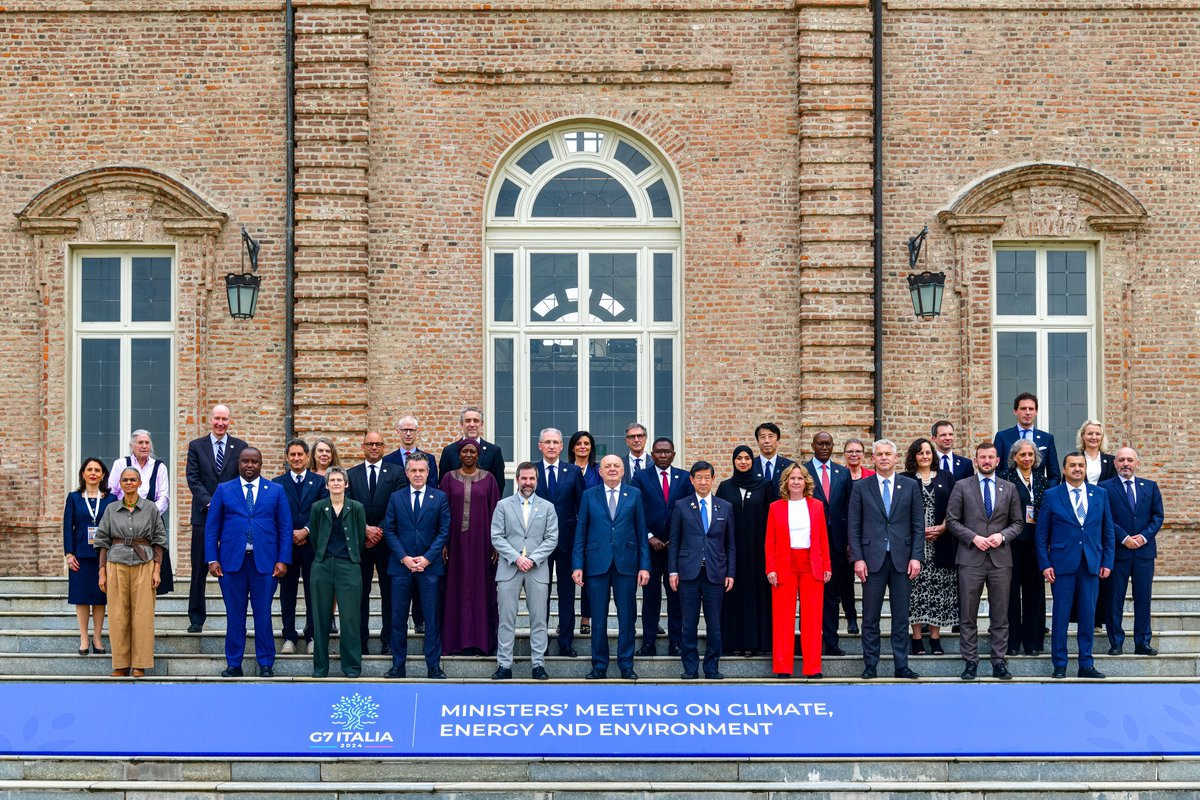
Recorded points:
119,673
139,673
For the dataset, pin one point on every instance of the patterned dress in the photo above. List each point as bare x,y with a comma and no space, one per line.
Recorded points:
934,598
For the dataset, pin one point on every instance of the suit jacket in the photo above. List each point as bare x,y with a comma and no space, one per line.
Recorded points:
959,467
872,531
375,505
940,485
397,457
620,542
568,493
1108,469
424,535
354,525
965,520
1034,498
1043,441
837,505
690,546
511,537
300,502
202,475
781,464
779,539
229,520
1145,519
627,477
491,459
657,510
1066,545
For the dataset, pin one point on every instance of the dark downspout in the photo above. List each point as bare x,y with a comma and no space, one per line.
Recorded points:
289,247
877,191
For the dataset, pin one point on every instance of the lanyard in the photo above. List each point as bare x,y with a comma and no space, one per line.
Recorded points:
92,511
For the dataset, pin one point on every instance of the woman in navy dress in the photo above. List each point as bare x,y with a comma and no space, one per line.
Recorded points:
85,506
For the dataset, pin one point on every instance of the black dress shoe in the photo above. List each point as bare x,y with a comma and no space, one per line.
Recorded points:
395,672
437,674
674,650
193,628
907,674
689,676
661,632
1090,672
385,650
834,651
502,673
596,674
266,672
783,675
567,652
1000,672
917,647
540,674
1115,650
970,670
629,675
715,676
646,650
1034,653
320,674
868,674
852,627
351,675
935,647
1139,650
1059,672
100,651
231,672
83,651
816,676
420,627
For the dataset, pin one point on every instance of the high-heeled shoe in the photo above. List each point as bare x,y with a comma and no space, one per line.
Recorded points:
83,651
98,650
918,647
935,647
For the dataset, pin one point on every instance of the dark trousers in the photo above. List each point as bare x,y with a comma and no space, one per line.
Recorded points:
404,587
839,594
560,574
1078,590
289,588
1141,571
898,587
693,594
259,588
337,578
375,559
623,590
197,611
971,580
652,594
1026,600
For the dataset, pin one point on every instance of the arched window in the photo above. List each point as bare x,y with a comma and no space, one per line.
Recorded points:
583,264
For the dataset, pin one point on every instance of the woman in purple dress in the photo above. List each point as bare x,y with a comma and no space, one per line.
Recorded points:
471,615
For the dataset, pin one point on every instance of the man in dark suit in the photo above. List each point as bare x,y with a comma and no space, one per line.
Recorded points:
945,459
562,484
1025,407
1075,550
302,488
985,515
372,483
769,465
410,430
887,542
416,527
660,487
831,485
701,560
491,457
211,460
247,546
612,550
1137,512
637,459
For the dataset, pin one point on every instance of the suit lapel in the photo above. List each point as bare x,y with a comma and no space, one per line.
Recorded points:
877,494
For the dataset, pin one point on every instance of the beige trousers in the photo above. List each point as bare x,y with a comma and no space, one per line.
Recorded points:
131,614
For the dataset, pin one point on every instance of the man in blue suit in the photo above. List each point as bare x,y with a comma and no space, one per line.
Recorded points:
410,430
248,545
1137,512
945,459
1075,550
831,485
661,487
612,550
561,484
1025,407
302,488
701,559
416,528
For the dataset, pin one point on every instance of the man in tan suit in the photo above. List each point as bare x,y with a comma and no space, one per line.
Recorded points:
984,515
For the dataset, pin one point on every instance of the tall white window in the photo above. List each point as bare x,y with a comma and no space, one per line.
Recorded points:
1044,326
583,266
123,351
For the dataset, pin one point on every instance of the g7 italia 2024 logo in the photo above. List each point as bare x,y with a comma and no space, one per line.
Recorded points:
357,715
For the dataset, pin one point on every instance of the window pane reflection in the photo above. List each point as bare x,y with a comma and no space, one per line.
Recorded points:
503,404
151,289
612,282
1066,365
100,290
554,287
583,192
664,388
1016,282
553,387
1066,283
100,399
612,371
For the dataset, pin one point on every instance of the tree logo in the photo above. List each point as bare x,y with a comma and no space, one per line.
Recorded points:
355,712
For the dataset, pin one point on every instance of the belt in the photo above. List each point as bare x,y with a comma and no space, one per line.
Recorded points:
138,546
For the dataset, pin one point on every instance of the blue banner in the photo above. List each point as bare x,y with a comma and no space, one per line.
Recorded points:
610,719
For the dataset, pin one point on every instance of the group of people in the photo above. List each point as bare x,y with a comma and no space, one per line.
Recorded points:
454,558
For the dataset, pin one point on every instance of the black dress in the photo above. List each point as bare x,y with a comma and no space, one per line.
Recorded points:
746,613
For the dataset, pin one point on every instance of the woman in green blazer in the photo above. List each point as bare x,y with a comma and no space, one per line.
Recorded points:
337,527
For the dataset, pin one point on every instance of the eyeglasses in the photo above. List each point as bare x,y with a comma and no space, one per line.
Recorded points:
408,430
372,444
635,436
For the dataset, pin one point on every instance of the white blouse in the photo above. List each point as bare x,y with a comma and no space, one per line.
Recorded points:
799,525
1093,468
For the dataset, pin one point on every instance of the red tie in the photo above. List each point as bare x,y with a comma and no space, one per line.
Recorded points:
666,487
825,481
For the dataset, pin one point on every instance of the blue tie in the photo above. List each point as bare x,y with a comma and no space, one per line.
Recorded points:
551,479
887,497
704,514
250,511
1129,494
416,504
767,472
220,456
1079,512
987,497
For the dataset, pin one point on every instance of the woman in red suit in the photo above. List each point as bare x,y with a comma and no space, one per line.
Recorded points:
797,564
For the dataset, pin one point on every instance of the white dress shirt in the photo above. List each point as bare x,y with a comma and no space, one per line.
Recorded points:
799,524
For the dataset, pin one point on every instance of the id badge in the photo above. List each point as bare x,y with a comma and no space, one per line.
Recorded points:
92,534
1030,517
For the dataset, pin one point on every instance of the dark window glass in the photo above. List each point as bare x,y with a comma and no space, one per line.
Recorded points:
100,399
583,192
553,386
664,388
1066,283
612,282
660,199
1016,368
554,287
664,268
1067,386
502,287
151,291
503,417
150,391
100,290
538,155
506,200
612,374
1016,282
631,158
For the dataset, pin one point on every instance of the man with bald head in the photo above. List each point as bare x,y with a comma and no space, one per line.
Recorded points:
211,460
372,483
1137,513
410,431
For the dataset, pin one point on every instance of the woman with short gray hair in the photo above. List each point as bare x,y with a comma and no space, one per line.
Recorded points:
155,487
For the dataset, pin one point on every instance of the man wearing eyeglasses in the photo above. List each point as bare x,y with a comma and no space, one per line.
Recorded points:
410,431
372,483
637,459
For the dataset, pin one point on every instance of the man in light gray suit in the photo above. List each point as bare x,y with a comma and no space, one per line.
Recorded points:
887,543
524,533
984,514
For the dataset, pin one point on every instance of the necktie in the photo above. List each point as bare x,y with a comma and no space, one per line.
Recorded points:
945,463
220,456
637,464
1129,494
371,479
551,479
767,472
1024,433
250,511
1079,511
525,511
987,497
407,456
416,504
887,496
825,481
299,481
666,487
612,503
704,514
